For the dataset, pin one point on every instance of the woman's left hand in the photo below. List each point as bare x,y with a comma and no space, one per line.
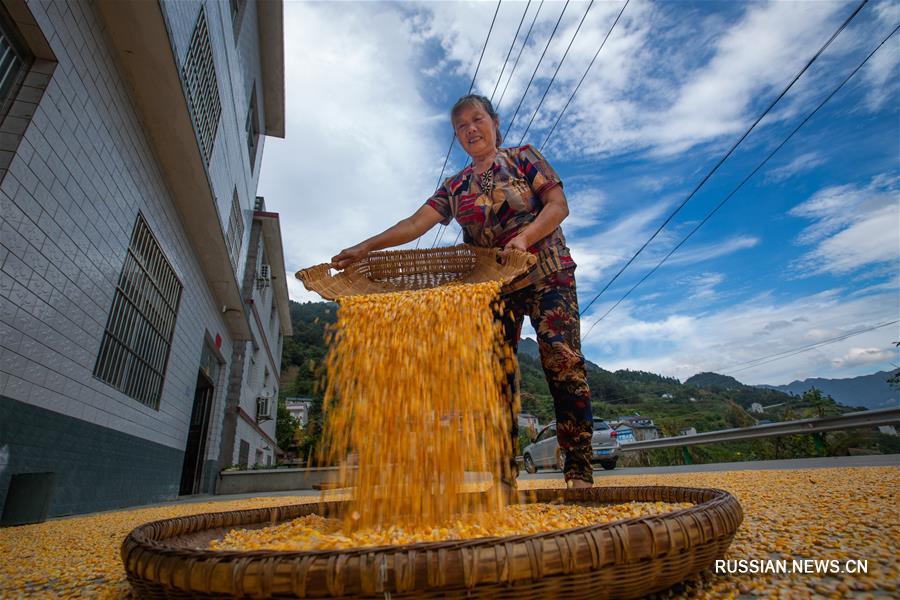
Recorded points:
519,243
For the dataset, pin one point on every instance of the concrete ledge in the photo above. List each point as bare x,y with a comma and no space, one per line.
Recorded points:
285,480
273,480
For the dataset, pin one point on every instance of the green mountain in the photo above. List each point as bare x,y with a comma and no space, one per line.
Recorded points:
706,401
867,391
713,380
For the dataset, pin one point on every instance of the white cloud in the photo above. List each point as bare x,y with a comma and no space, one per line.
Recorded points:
799,164
680,345
881,71
585,207
852,227
697,254
703,286
863,356
362,148
615,242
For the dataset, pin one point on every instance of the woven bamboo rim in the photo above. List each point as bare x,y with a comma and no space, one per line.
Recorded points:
400,270
623,559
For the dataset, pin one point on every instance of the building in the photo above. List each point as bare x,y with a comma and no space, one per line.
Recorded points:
132,138
756,407
248,437
298,407
642,427
687,431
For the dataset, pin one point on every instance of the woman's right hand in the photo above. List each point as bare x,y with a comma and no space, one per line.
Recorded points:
348,256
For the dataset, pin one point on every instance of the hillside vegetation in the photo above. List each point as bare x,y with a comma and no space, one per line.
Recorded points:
706,401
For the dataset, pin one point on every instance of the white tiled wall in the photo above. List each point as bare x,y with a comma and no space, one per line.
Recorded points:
67,207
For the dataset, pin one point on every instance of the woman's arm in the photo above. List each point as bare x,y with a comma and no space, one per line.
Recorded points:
404,231
552,214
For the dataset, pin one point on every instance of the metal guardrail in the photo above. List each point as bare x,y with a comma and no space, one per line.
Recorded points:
867,418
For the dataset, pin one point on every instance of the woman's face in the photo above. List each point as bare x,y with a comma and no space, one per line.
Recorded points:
476,130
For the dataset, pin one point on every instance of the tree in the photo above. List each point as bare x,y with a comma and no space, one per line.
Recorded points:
285,426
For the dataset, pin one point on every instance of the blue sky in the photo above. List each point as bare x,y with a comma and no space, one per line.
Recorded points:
807,251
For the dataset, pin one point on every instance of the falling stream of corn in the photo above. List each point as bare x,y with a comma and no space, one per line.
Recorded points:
415,396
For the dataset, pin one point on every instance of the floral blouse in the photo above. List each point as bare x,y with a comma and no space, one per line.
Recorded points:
521,177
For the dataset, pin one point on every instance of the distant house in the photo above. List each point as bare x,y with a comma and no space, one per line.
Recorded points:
642,427
756,407
688,431
299,406
666,396
527,421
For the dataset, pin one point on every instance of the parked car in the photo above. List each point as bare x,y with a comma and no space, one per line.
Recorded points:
544,451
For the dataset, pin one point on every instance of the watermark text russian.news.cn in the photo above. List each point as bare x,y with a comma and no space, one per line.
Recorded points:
796,565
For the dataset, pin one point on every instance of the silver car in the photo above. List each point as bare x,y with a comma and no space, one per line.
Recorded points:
544,451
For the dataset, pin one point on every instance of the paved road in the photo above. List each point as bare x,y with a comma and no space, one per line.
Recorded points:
876,460
880,460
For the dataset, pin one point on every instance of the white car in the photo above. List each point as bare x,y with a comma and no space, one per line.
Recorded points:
544,451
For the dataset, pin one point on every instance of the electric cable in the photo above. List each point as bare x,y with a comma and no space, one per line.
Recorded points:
508,54
729,153
443,228
536,67
471,86
746,179
787,353
556,72
518,56
580,81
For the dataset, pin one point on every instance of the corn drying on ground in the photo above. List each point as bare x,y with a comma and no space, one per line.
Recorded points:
809,513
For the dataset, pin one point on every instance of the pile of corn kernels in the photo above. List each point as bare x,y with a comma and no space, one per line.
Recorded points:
838,513
317,533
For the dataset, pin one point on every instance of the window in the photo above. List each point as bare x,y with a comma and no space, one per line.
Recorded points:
235,235
252,129
199,73
138,337
15,60
243,453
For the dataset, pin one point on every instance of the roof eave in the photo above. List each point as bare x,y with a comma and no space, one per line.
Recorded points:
271,230
270,19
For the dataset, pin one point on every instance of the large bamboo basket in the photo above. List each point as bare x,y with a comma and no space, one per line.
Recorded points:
399,270
622,559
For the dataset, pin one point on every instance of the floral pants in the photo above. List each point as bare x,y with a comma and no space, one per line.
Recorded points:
552,306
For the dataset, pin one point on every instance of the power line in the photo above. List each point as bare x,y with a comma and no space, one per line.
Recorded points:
471,86
729,153
746,179
443,228
459,233
525,93
558,66
569,101
511,46
519,55
787,353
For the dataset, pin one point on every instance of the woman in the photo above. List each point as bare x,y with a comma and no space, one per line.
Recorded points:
511,198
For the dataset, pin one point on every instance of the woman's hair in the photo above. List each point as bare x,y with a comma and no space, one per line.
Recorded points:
470,99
